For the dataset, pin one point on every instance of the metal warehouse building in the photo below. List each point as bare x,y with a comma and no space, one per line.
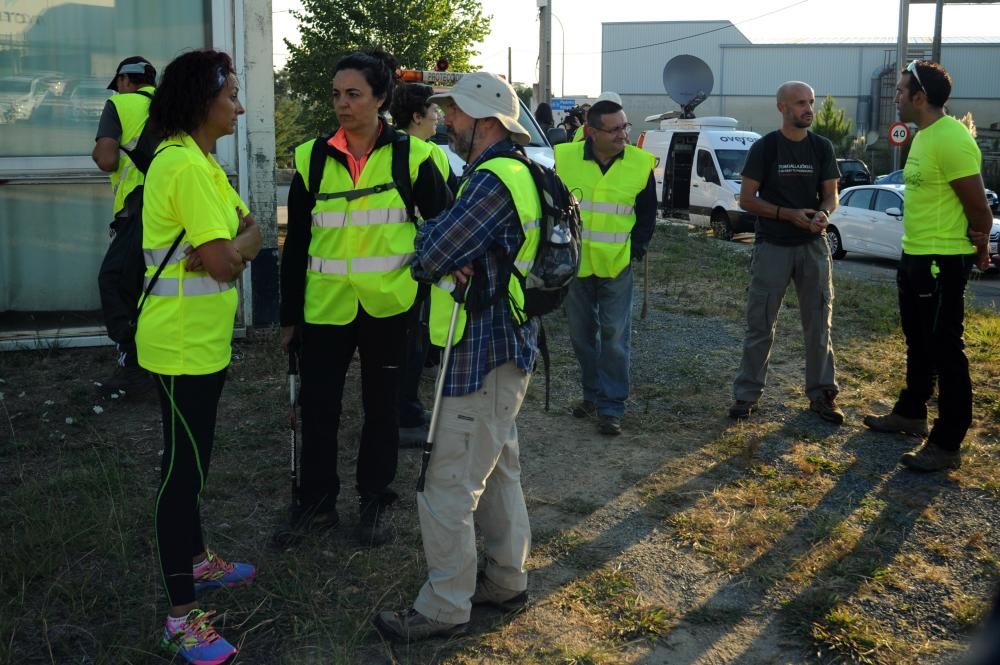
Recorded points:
861,76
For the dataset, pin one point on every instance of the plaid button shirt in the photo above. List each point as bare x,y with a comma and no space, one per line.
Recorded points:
482,227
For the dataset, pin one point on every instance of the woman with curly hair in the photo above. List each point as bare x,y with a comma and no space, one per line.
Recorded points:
346,286
196,227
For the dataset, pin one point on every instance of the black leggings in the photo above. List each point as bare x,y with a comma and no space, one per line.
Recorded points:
189,404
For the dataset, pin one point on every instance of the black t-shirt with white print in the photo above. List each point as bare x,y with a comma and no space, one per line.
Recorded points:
791,181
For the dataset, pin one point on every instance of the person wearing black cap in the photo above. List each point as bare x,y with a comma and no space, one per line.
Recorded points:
118,132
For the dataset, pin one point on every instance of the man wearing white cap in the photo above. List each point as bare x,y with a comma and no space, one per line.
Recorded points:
118,131
474,474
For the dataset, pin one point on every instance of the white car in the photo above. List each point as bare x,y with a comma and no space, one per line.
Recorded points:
20,96
87,100
870,221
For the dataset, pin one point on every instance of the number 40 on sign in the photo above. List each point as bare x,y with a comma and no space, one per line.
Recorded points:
899,133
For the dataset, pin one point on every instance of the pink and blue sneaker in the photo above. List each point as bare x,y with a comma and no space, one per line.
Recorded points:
197,642
214,573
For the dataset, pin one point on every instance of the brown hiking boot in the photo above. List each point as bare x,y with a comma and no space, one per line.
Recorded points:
826,407
931,457
585,409
894,423
409,625
741,409
489,592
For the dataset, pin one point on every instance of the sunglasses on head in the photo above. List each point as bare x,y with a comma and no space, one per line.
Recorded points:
912,69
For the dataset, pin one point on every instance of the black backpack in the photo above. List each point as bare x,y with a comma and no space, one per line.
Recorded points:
123,268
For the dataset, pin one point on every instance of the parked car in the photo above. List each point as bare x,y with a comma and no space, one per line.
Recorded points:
853,172
896,178
870,221
87,100
20,96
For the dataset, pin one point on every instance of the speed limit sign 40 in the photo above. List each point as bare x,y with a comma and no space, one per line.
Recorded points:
899,133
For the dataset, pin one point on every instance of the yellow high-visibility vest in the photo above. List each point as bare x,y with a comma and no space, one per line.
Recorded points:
607,204
186,324
361,245
516,177
133,111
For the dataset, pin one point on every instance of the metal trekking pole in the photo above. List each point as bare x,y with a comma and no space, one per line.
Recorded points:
293,401
459,295
645,286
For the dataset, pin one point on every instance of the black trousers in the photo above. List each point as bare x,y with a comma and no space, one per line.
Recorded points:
326,355
932,312
189,405
411,409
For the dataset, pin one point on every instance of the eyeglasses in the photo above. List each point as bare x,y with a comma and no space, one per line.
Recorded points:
912,69
627,127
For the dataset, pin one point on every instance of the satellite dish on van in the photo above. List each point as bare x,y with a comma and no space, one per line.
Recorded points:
688,81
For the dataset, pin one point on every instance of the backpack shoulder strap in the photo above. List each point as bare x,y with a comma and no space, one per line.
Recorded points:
401,172
166,259
770,148
144,94
317,162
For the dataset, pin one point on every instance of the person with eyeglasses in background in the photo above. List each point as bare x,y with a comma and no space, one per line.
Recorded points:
946,227
617,192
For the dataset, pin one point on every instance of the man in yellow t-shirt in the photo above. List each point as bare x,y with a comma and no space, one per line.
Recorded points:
946,225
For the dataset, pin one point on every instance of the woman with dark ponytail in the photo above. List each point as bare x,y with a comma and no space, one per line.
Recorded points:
412,113
346,286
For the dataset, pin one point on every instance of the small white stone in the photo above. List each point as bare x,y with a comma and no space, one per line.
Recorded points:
49,402
98,410
21,394
114,395
69,421
98,384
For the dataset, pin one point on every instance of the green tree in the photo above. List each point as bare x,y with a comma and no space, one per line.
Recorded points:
289,127
832,123
417,32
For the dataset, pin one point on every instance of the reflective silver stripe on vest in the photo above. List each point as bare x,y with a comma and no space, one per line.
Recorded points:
603,236
378,216
131,144
121,177
329,219
366,264
608,208
523,266
380,263
193,286
328,266
154,257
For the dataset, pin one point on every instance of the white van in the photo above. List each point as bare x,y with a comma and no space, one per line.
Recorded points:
699,162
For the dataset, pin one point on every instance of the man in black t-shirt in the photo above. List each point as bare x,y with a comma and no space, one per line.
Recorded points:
790,183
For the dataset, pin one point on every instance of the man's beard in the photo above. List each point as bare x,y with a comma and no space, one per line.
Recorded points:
461,144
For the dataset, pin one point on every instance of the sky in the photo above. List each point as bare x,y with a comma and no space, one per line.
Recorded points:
515,26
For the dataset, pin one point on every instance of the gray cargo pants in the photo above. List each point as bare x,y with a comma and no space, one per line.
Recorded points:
771,269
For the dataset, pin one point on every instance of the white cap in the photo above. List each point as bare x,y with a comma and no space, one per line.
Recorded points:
608,96
485,95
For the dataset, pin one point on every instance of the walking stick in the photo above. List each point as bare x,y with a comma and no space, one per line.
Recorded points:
293,400
645,286
459,295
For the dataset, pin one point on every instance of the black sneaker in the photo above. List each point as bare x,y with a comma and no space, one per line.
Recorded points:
303,520
609,425
371,530
742,408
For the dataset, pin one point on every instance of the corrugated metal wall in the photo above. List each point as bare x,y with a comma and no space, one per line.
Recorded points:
747,75
634,54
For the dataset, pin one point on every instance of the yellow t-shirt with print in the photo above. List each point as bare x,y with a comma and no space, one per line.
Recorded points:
934,220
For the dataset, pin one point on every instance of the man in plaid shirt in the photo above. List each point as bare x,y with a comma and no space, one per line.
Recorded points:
474,473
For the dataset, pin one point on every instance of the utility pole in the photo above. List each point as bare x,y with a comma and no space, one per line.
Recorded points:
902,38
938,16
544,51
510,67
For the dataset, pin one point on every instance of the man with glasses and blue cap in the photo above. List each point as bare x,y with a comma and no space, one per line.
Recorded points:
118,132
617,191
946,227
